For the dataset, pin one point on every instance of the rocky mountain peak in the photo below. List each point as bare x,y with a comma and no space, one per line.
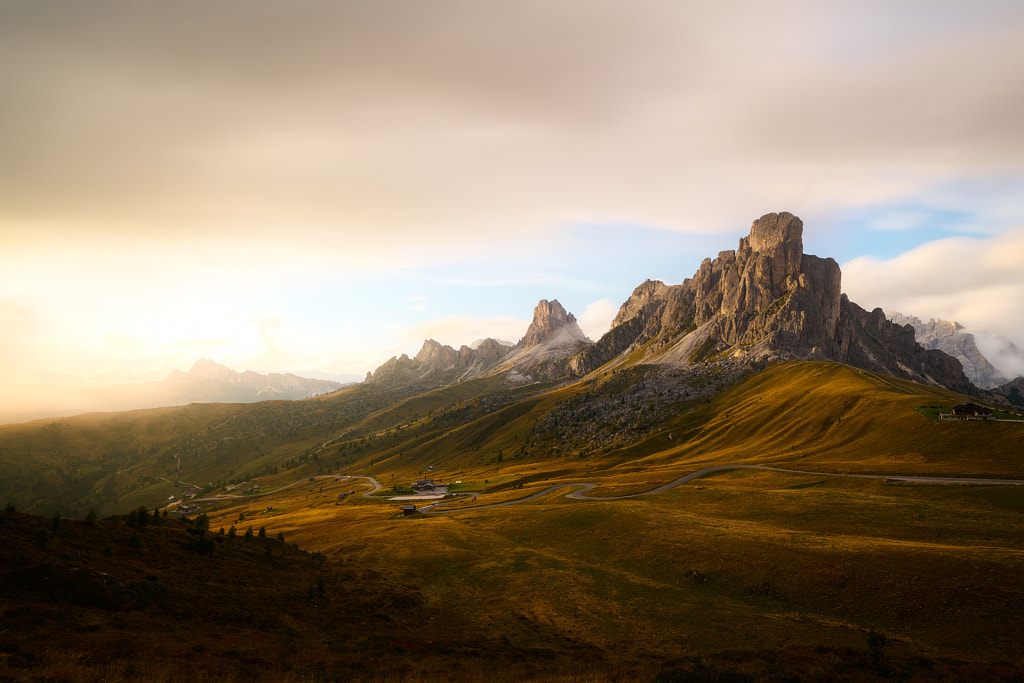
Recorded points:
775,230
548,318
765,301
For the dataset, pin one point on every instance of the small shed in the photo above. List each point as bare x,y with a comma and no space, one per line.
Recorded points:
408,509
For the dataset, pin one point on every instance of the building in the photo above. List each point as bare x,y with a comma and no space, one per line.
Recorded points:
968,411
408,510
423,485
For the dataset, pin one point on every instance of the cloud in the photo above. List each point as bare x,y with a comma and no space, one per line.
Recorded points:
350,123
456,331
978,282
173,171
597,318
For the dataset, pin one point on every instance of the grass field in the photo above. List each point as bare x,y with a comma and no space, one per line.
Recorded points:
737,573
738,560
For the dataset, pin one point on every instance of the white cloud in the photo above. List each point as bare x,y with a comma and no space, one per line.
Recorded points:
598,317
978,282
456,331
356,125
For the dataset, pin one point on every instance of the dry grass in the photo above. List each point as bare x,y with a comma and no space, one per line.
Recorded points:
788,572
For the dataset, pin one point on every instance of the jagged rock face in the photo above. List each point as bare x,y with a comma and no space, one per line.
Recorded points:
948,336
549,320
437,356
766,300
440,361
550,343
766,293
1012,391
871,341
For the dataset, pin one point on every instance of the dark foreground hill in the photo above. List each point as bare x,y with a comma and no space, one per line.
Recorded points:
109,601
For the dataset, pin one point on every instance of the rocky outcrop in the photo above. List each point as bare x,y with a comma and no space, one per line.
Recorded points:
551,323
949,337
440,363
1012,391
871,341
765,301
544,352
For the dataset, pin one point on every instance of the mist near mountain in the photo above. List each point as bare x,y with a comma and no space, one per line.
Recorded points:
205,382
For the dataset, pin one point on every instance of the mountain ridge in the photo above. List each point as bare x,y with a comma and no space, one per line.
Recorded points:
763,302
948,336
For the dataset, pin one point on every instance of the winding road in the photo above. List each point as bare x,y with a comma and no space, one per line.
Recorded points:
583,487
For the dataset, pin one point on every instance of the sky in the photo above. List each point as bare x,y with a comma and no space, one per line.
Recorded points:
315,186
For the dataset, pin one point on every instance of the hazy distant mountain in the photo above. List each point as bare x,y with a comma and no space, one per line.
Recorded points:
205,382
948,336
209,382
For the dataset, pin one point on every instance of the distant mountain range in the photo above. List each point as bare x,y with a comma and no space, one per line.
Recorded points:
763,302
205,382
948,336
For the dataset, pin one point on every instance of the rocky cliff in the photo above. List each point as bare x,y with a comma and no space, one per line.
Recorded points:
552,338
949,337
1012,391
440,363
765,301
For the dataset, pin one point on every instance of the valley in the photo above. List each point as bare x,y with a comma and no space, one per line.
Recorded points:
769,545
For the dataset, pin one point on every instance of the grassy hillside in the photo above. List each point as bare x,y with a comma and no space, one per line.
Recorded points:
809,415
747,561
739,575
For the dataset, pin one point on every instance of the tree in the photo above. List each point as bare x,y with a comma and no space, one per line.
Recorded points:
55,522
232,532
200,525
90,518
263,533
248,534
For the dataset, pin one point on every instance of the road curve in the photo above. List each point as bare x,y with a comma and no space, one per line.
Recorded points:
584,487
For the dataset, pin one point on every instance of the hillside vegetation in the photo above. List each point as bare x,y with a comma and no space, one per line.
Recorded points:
736,574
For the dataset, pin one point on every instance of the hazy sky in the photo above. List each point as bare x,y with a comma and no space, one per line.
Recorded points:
316,186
